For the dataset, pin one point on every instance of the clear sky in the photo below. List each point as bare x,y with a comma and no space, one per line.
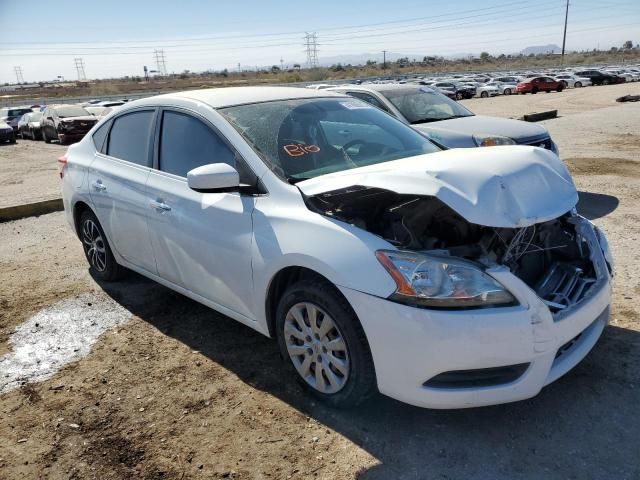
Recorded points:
118,37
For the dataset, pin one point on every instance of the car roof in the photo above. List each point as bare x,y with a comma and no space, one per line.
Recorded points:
380,87
230,96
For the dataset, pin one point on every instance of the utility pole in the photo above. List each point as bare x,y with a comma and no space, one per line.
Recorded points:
564,36
160,62
79,63
311,45
384,59
19,76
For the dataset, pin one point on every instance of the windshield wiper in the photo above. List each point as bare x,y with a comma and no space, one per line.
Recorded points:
427,120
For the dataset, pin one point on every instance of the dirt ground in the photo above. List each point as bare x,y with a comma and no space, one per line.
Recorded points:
179,391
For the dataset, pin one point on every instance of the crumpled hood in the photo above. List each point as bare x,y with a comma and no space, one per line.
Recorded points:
458,132
497,187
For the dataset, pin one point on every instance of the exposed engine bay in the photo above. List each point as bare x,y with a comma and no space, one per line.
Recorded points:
551,257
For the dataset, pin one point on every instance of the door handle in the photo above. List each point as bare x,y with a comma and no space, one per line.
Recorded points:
160,206
99,186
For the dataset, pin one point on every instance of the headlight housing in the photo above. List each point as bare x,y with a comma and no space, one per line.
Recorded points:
441,282
492,140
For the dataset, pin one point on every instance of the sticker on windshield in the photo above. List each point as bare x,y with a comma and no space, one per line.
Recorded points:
354,104
299,149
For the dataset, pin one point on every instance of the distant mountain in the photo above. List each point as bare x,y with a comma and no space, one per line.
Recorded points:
551,48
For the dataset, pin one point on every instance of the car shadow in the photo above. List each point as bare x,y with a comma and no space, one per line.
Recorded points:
583,426
596,205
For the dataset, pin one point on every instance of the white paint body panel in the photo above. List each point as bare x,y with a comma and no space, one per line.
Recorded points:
224,249
499,186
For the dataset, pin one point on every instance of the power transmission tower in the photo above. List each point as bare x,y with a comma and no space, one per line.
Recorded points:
564,36
19,76
311,44
80,68
160,61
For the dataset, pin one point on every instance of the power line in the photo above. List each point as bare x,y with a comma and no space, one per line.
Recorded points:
311,44
19,76
79,63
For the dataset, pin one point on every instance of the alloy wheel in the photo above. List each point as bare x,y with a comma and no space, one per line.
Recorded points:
316,347
94,245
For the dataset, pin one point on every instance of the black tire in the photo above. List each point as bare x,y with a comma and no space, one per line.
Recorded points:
60,141
560,88
45,137
484,94
361,380
577,85
534,90
111,271
13,140
605,81
507,91
459,96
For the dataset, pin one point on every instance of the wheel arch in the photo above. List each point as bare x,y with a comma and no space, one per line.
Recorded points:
78,209
279,282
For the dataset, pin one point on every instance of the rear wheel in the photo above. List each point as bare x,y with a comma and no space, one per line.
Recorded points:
534,90
577,85
484,94
507,91
605,81
322,338
102,263
560,88
45,137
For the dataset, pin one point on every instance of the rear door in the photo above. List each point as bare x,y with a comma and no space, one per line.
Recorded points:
117,182
201,241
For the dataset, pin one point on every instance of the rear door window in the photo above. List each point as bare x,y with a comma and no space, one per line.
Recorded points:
129,137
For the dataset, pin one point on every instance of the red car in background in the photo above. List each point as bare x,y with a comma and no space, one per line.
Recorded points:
539,84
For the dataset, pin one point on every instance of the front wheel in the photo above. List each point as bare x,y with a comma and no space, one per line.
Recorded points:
459,96
45,137
484,94
322,338
605,82
577,85
507,91
102,263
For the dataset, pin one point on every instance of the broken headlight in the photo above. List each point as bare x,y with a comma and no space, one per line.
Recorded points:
492,140
439,281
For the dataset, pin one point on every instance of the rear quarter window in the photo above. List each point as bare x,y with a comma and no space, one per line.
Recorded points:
100,135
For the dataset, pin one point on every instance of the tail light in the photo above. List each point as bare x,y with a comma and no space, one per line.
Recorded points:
62,163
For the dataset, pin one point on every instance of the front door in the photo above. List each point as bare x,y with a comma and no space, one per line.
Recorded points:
201,241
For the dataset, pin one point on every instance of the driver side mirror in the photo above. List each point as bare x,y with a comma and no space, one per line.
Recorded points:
214,177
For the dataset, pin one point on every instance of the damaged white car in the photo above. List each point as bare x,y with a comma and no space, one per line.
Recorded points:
444,279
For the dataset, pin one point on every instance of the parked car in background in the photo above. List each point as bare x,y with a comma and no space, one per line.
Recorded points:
503,88
65,123
12,115
446,121
539,84
460,90
7,134
444,279
484,90
99,112
29,126
599,78
573,81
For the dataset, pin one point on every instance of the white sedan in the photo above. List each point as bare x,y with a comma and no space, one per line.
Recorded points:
444,279
573,81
